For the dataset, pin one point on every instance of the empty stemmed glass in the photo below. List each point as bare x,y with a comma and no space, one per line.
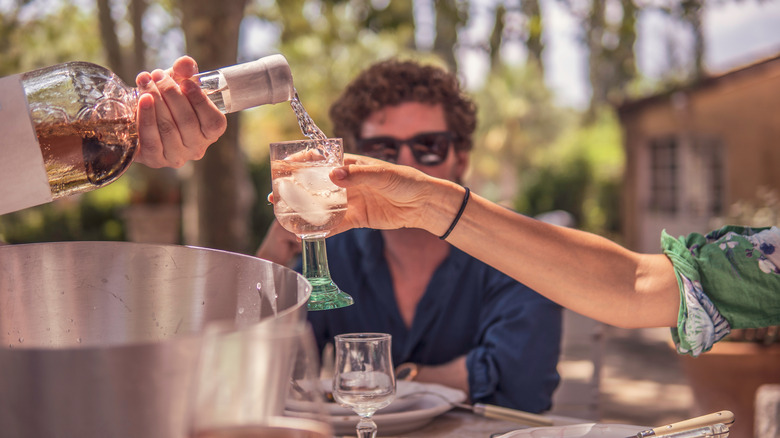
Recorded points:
308,204
364,380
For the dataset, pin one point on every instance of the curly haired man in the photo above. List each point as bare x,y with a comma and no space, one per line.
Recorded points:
454,320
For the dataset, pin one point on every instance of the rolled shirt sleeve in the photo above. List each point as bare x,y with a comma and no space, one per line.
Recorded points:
728,279
517,348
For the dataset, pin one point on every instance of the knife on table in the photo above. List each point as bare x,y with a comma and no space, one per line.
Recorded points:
712,431
725,417
501,413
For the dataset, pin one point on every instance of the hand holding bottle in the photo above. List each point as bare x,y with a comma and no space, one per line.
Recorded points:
73,127
176,121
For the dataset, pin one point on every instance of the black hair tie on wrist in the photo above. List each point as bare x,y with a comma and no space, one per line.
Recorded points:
457,216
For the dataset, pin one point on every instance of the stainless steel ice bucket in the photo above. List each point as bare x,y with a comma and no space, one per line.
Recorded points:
100,339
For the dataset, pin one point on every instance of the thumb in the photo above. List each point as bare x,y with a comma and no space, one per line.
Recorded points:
355,174
373,173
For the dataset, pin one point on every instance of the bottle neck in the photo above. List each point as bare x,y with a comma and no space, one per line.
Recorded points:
265,81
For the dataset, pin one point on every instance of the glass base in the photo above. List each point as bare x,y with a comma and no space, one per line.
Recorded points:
326,295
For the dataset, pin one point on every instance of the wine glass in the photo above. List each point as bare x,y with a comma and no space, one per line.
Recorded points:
364,379
308,204
246,377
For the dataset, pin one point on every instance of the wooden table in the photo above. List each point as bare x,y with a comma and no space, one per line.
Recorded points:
460,423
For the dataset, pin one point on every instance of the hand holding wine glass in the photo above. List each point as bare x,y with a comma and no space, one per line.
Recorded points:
307,203
170,99
364,379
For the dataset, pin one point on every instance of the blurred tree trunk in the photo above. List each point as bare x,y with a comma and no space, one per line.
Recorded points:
506,28
219,194
533,40
624,56
110,39
692,14
125,62
137,11
159,187
611,59
496,36
597,60
449,20
683,65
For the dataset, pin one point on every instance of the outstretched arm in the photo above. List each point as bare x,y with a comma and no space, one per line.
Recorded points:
582,271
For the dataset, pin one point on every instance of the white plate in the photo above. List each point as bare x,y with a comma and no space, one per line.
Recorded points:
419,411
588,430
400,403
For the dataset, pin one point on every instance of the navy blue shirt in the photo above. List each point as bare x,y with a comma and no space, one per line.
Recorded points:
510,334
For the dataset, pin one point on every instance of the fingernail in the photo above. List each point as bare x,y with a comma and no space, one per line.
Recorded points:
158,75
144,79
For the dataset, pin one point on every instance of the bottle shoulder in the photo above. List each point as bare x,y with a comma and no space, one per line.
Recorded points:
70,67
77,90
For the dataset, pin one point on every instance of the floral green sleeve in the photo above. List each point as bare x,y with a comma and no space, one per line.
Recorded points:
728,279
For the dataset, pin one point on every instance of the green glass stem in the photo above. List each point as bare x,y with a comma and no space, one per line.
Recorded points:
324,293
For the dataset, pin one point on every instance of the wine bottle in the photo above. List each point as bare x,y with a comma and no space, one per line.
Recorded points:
70,128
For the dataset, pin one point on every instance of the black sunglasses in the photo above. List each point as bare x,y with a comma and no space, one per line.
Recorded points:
428,148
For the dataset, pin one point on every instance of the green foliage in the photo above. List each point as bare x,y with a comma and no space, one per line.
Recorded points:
92,216
325,51
262,211
35,34
557,187
517,120
39,33
580,173
516,102
553,161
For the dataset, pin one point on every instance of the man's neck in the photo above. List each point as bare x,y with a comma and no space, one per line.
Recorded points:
412,256
415,247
